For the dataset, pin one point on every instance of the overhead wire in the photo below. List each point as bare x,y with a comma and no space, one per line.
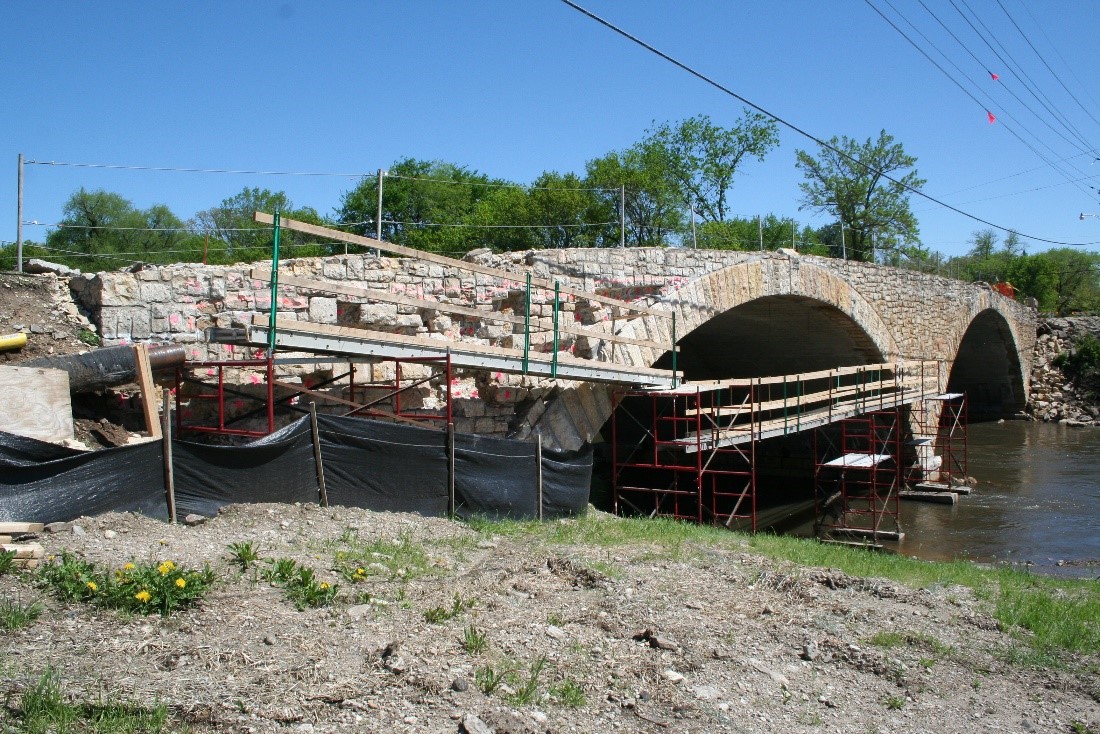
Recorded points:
1053,73
791,126
967,92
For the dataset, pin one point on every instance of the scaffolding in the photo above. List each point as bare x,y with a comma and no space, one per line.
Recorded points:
689,452
858,477
668,460
204,382
940,443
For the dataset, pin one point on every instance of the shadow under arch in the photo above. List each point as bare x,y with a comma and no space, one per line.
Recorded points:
773,335
987,368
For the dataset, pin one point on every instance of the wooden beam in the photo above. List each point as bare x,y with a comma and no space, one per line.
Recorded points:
387,297
15,528
148,391
335,234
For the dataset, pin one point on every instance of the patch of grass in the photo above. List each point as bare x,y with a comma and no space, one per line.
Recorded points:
7,561
894,703
529,690
144,588
1081,727
918,640
14,615
89,337
473,640
488,679
45,709
244,554
439,615
299,583
568,693
356,559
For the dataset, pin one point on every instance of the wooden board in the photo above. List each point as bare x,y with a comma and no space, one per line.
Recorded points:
335,234
11,528
35,402
148,390
24,550
387,297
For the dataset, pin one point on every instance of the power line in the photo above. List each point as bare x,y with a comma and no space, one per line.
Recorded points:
170,169
706,79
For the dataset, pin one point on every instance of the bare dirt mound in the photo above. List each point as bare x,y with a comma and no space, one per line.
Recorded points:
454,629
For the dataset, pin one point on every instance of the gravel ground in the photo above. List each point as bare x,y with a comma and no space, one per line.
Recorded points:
703,639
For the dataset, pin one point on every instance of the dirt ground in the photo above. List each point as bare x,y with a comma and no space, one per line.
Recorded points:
40,307
700,639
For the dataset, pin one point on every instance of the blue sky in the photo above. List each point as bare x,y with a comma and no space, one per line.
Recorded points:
513,88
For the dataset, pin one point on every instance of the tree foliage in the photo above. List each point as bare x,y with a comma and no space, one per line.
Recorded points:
702,158
637,180
101,230
235,237
848,180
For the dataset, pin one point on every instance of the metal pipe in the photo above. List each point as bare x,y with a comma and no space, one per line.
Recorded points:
554,362
527,326
274,288
108,366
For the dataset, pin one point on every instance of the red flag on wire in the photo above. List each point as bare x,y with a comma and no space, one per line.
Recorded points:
995,77
992,119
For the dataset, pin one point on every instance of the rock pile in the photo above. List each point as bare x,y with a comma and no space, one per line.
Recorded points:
1054,396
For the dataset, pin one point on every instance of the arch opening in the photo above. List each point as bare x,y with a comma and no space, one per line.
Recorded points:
773,335
987,369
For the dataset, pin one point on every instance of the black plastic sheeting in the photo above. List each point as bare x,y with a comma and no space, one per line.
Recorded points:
64,483
368,464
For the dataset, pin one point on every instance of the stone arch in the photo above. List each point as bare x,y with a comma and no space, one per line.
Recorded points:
987,366
780,316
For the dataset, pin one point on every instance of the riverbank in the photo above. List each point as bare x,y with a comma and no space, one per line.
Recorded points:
1054,396
596,624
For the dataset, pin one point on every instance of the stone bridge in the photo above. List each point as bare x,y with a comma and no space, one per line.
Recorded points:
739,314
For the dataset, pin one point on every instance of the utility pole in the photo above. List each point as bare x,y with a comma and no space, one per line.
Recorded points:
622,215
19,221
378,218
843,247
694,242
760,228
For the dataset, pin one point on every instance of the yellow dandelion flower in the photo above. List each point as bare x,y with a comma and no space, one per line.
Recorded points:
324,585
128,567
166,568
180,582
360,572
143,596
92,586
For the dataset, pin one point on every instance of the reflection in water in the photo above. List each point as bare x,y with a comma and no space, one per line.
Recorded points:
1037,500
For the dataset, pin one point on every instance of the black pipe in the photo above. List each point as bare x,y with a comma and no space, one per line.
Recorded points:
108,366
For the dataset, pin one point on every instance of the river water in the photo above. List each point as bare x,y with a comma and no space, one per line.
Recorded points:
1037,502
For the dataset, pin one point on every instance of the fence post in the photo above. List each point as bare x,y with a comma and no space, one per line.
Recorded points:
169,473
451,468
322,492
538,470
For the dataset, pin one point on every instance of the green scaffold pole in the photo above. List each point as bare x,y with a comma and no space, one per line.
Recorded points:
274,289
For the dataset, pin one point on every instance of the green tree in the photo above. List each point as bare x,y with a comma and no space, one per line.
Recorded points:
425,204
702,158
745,234
852,185
1062,280
101,230
653,205
235,237
557,210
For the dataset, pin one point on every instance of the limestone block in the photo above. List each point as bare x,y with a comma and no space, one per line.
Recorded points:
125,323
117,289
322,310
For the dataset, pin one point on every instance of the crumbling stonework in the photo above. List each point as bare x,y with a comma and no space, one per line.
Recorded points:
908,315
1054,396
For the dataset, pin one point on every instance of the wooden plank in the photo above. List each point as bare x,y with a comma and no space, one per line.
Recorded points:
376,295
13,528
35,402
335,234
413,341
24,550
148,391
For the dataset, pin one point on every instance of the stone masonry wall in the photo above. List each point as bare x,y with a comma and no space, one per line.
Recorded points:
923,316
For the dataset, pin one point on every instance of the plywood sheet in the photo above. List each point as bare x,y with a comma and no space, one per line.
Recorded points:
34,402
